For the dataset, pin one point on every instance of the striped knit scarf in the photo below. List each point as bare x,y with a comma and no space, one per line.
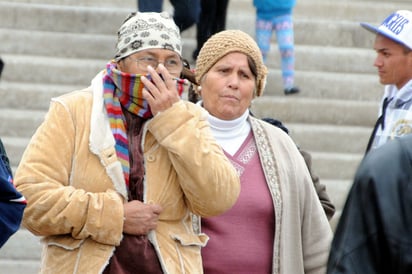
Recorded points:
123,89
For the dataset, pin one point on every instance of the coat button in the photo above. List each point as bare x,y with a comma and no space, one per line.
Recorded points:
151,158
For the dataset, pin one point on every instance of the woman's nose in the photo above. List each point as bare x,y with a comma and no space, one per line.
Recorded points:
234,80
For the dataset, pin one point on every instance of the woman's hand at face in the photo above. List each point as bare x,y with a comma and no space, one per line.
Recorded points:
160,93
140,218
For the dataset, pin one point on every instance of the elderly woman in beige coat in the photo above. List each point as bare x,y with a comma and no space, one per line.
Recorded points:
277,225
116,171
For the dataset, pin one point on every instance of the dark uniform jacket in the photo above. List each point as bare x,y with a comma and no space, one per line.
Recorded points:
374,234
12,203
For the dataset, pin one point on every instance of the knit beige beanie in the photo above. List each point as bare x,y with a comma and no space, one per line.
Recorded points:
228,41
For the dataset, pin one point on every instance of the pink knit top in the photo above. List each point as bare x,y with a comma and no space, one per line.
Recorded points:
241,240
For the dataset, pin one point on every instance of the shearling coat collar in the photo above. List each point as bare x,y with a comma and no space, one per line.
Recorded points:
101,140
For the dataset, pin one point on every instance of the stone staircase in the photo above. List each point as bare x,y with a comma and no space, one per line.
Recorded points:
54,46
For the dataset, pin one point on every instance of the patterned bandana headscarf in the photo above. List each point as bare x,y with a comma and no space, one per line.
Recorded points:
123,89
147,30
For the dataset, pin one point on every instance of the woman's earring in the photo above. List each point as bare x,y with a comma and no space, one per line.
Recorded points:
199,89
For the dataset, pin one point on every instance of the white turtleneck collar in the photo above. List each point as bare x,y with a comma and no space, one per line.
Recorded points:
231,134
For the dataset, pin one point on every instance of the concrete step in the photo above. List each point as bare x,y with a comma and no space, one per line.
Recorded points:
37,95
67,19
50,70
340,146
57,44
328,85
50,44
349,63
41,72
20,266
347,8
338,33
343,151
21,254
339,139
332,166
15,147
313,84
20,123
309,29
293,109
65,45
357,11
328,165
131,4
16,247
289,110
334,59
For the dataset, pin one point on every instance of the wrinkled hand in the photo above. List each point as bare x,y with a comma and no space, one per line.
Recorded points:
140,218
160,93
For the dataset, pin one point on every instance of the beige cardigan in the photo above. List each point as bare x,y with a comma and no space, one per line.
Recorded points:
75,188
303,234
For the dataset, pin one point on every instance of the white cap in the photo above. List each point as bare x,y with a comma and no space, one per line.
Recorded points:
397,27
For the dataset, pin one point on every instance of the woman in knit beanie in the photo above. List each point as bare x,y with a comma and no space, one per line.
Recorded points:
226,42
277,224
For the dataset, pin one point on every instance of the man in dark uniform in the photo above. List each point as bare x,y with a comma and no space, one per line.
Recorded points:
12,203
374,234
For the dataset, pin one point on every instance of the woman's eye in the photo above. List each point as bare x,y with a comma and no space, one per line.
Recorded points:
172,62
